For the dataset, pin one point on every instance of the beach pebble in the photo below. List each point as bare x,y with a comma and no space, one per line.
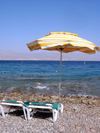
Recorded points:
38,83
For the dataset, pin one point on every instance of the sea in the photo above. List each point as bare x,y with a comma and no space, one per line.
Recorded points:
78,78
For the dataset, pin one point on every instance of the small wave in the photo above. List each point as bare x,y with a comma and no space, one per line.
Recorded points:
11,88
40,87
28,88
80,95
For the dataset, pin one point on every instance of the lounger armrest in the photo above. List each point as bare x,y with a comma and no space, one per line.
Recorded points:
20,102
49,104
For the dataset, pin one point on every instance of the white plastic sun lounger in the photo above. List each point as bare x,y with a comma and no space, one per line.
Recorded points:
32,106
42,107
11,104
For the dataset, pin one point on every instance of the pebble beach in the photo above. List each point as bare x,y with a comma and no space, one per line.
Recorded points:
80,115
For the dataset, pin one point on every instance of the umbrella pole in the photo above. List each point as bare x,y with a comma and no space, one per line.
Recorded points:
60,75
59,81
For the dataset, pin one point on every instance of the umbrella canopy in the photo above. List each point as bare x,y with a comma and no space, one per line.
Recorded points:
63,42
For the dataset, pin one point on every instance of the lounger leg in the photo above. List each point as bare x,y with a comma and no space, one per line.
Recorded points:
8,111
61,108
54,115
33,113
24,113
2,111
28,113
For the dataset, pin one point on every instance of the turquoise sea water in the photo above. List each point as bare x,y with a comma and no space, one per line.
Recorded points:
78,77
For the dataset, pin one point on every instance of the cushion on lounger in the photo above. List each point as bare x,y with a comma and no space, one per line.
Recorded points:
54,105
10,101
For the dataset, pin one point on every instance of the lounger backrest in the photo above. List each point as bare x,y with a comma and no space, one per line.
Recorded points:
12,101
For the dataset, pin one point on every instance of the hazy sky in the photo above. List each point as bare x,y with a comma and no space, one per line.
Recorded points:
23,21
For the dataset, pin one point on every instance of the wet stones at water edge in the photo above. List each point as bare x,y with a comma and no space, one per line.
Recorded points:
16,95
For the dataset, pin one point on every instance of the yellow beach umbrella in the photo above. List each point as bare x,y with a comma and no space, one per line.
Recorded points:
63,42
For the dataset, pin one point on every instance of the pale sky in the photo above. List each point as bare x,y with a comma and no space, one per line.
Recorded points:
23,21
